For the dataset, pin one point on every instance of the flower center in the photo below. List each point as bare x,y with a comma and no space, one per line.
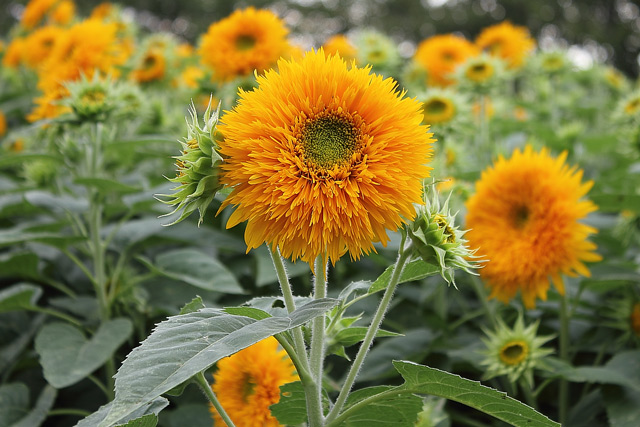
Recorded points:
514,352
521,216
329,141
632,106
479,72
245,42
435,106
248,387
93,97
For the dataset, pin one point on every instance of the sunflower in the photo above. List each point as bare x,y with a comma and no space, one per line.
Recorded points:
524,220
63,12
248,382
340,45
3,124
152,67
35,11
13,54
438,108
440,55
507,41
247,40
514,352
39,44
323,158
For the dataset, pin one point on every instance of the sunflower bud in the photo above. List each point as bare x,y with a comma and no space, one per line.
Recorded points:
92,100
198,167
514,352
439,242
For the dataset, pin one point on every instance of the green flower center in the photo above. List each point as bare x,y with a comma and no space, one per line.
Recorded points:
245,42
329,141
514,352
435,106
441,222
93,97
248,387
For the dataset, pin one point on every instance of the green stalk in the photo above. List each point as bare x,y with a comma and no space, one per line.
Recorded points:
316,355
478,287
206,388
564,355
312,385
403,256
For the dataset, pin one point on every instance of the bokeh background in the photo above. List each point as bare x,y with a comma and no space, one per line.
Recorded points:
606,31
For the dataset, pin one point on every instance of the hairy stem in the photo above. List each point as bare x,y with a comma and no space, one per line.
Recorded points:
206,388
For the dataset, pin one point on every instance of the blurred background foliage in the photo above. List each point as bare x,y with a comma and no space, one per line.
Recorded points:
594,30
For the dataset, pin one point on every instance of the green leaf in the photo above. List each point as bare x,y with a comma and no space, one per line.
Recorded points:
425,380
292,407
67,356
39,413
355,334
14,159
616,202
107,185
23,265
149,420
415,270
56,202
22,296
252,312
19,235
135,231
622,406
398,410
197,269
184,345
192,306
623,369
152,407
190,414
14,403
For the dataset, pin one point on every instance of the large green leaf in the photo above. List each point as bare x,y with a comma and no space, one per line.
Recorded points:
107,185
623,369
425,380
24,265
15,159
397,410
149,420
622,405
67,356
292,407
195,268
184,345
19,297
39,412
152,407
415,270
14,403
57,202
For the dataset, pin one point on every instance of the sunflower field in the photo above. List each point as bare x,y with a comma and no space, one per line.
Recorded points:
256,230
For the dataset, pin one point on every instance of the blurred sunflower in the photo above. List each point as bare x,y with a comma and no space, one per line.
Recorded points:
63,12
323,158
248,382
507,41
440,55
35,11
377,50
440,106
39,44
340,44
3,124
524,218
247,40
13,54
152,66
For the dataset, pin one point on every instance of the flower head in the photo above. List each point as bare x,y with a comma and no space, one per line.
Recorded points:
480,73
249,381
323,158
377,50
247,40
440,55
340,44
39,44
524,219
35,11
507,41
514,352
440,106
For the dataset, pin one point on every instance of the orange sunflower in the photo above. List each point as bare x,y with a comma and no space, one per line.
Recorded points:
247,40
39,44
323,158
248,382
152,66
507,41
524,220
340,45
35,11
440,55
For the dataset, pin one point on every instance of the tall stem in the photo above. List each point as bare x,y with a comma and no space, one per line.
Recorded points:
564,355
403,257
206,388
316,355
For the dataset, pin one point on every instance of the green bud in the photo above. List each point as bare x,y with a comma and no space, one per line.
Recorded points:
92,100
198,167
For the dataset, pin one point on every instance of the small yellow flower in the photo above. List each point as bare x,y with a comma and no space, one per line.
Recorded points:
507,41
248,382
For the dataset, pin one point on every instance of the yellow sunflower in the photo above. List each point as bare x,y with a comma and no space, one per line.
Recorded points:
13,55
248,382
507,41
524,220
323,158
63,12
340,44
247,40
152,66
35,11
438,109
440,55
39,44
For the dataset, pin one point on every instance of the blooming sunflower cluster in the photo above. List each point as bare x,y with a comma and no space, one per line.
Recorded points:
248,382
524,218
440,55
514,352
323,158
247,40
509,42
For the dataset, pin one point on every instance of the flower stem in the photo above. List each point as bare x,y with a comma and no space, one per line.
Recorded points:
403,256
316,355
206,388
564,355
